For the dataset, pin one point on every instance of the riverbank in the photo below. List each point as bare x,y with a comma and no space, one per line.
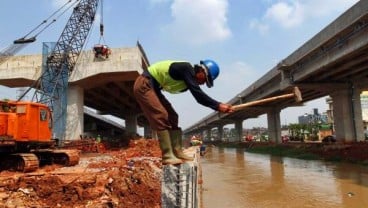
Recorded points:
355,152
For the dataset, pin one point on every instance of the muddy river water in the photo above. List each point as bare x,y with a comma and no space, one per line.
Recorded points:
237,179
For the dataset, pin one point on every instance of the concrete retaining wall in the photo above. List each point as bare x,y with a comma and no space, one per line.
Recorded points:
179,184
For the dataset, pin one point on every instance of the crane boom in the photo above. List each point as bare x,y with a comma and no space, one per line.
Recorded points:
51,87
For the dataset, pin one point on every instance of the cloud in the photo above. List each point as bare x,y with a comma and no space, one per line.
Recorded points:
293,13
198,21
286,14
259,26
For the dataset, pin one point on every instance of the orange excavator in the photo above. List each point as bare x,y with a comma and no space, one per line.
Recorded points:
25,133
30,130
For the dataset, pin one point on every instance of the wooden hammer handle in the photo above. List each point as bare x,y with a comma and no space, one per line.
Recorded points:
257,102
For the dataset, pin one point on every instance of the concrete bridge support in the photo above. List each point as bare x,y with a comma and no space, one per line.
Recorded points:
208,135
358,116
75,112
347,115
239,130
148,132
274,125
131,124
220,130
75,115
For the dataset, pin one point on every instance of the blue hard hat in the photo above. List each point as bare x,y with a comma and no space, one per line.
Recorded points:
213,70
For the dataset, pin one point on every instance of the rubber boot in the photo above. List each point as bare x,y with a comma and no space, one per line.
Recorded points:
168,157
176,143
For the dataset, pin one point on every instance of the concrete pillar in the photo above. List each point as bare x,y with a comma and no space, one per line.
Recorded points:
75,113
347,115
358,115
239,130
274,125
202,134
220,130
208,135
148,132
131,124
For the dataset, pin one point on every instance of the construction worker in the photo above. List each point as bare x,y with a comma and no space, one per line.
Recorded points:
174,77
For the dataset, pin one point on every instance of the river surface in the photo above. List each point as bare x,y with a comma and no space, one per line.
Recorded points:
233,178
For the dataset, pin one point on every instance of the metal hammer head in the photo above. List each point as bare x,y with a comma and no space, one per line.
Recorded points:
297,95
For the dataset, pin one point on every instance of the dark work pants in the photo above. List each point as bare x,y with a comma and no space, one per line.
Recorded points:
157,109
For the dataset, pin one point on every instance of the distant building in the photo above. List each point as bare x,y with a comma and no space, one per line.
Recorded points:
315,117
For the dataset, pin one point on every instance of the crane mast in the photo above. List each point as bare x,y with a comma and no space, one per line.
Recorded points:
51,87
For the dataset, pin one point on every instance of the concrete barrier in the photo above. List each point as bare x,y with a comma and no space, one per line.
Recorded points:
180,183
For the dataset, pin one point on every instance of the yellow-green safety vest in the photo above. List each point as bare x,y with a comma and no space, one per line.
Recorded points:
160,71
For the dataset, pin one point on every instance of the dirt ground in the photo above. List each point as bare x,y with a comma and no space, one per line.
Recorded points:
129,177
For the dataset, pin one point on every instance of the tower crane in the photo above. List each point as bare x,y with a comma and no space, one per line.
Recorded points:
27,127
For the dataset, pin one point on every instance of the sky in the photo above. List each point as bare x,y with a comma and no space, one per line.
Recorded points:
246,38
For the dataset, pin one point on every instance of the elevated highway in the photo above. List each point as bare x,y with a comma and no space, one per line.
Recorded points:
333,62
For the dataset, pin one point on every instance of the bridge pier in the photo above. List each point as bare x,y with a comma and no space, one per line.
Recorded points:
148,132
131,124
75,111
220,130
208,134
239,129
347,115
274,125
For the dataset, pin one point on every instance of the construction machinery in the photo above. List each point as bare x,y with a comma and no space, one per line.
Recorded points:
25,132
101,50
29,129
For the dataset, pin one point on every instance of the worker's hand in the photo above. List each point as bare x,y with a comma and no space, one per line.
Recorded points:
225,108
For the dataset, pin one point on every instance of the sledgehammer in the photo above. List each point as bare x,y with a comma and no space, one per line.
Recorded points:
295,94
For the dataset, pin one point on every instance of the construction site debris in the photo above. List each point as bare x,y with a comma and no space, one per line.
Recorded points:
127,177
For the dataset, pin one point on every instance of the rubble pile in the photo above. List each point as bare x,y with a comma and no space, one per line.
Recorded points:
125,178
84,145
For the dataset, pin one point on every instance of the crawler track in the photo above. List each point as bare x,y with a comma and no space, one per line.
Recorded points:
28,162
